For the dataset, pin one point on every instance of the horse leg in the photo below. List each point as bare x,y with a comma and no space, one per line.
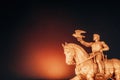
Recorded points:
90,76
108,72
117,76
76,78
117,72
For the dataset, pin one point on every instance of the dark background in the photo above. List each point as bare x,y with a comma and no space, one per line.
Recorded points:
17,17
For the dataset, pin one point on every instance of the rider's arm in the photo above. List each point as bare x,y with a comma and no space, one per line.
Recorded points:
105,46
87,44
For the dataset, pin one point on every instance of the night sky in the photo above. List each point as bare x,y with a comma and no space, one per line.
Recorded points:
31,32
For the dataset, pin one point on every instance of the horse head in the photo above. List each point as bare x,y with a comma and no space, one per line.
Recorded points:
69,53
74,53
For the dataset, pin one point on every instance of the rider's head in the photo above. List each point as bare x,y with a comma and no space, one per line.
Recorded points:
96,37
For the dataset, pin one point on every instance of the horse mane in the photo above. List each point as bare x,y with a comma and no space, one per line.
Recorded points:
79,47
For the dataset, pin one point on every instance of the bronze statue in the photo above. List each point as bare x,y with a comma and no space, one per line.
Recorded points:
91,66
97,48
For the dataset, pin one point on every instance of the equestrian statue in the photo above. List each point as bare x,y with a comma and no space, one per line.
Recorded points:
93,65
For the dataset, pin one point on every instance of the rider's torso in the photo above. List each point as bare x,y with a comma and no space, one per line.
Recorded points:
96,46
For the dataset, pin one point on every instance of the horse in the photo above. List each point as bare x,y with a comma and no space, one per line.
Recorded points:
85,68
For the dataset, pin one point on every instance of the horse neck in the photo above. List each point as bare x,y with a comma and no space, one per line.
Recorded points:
81,55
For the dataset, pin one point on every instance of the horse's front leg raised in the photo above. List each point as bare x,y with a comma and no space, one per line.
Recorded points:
76,78
117,76
90,76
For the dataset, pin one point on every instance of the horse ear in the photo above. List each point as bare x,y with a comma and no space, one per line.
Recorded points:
63,45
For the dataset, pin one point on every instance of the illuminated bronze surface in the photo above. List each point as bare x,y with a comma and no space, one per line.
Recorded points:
94,65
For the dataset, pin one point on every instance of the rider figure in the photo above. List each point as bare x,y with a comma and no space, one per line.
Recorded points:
97,48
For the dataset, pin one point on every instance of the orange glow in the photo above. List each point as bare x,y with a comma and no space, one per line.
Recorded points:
39,52
46,63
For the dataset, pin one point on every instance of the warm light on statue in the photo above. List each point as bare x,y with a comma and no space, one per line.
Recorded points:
94,65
